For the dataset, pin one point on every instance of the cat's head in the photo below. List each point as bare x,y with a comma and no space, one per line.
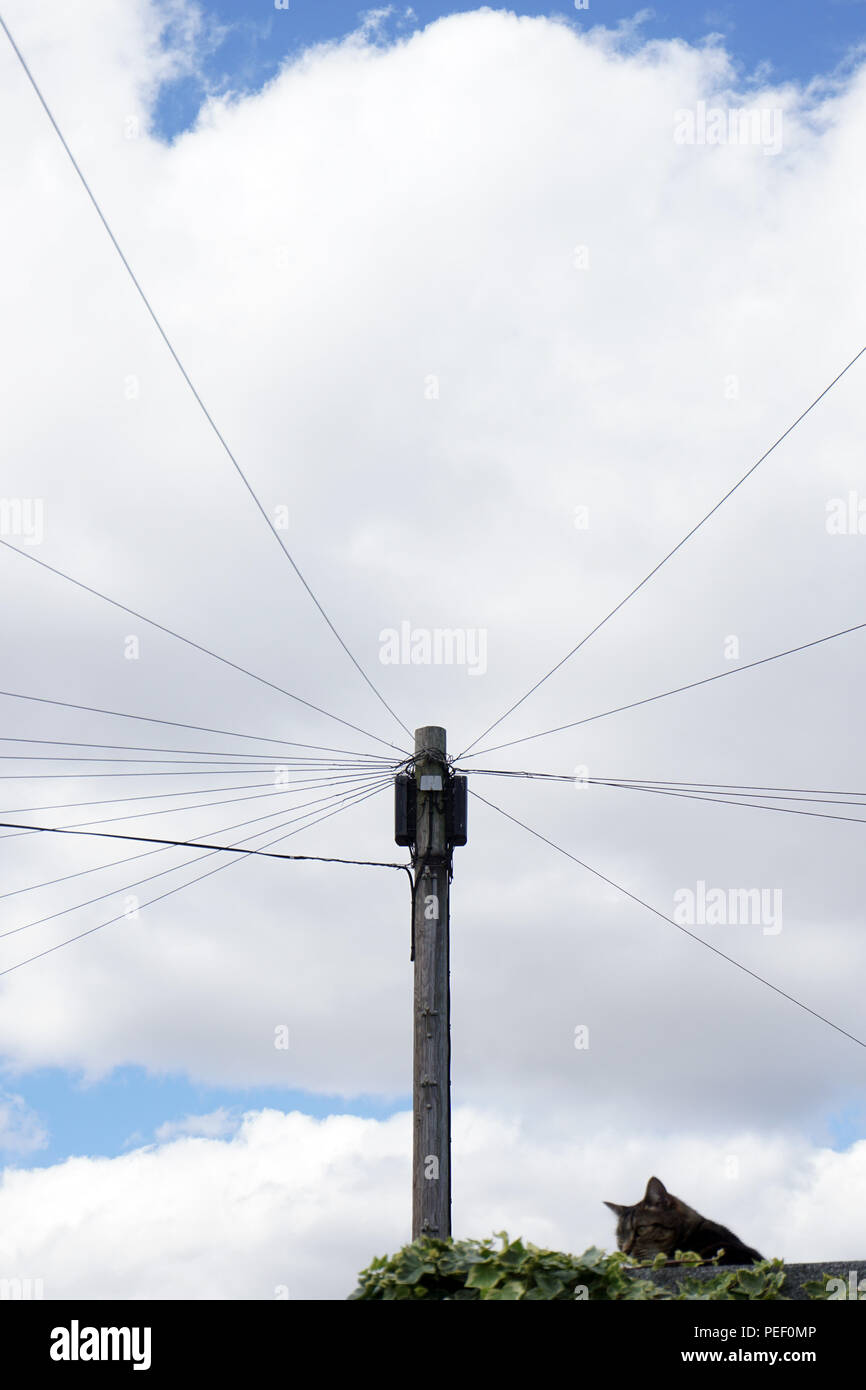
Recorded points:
653,1225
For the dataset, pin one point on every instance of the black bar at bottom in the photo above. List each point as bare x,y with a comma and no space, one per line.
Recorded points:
59,1337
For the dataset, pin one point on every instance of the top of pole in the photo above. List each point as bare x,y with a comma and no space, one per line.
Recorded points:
430,740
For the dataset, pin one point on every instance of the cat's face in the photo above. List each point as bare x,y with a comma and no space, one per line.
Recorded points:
653,1225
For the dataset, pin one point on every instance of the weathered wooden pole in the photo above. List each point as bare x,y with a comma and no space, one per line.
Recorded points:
431,1089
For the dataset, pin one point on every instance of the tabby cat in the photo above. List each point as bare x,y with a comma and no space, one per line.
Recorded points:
661,1223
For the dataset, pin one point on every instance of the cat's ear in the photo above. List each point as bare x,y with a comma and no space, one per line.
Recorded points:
615,1208
656,1194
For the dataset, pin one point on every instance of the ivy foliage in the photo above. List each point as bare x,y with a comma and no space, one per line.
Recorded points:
824,1288
519,1271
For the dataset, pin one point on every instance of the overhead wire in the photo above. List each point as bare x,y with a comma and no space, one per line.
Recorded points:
328,779
205,851
258,763
687,537
729,788
121,916
676,690
173,723
149,307
200,771
752,805
142,839
197,646
670,920
736,796
173,810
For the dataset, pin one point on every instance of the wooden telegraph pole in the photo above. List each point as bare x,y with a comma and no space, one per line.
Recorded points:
431,817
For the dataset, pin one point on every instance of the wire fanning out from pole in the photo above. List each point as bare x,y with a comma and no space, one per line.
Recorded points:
671,553
197,646
664,917
165,338
677,690
241,854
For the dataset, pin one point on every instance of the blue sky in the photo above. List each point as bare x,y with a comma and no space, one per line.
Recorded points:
796,38
126,1109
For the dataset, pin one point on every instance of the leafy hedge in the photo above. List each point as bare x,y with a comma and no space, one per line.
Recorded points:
517,1270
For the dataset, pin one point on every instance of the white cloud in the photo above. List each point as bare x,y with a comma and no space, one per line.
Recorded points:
21,1130
304,1204
216,1125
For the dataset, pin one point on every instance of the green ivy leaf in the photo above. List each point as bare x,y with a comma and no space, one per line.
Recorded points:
466,1270
510,1292
484,1276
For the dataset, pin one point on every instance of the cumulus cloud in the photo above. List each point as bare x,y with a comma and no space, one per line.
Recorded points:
215,1125
294,1207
